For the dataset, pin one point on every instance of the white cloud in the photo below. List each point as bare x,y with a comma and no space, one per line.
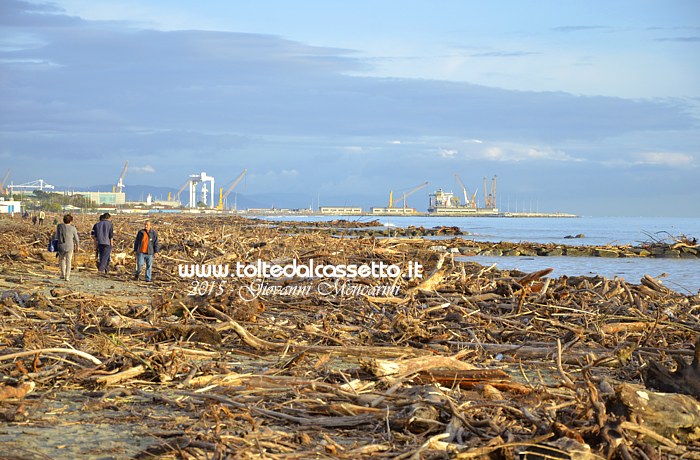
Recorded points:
525,153
494,153
665,158
447,153
275,175
353,149
289,173
549,154
147,169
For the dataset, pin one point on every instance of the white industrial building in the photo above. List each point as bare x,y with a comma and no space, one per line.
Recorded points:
10,207
340,210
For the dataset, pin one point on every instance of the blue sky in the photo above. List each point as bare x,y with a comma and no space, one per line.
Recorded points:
586,107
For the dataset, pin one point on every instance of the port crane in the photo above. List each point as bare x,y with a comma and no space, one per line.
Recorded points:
179,192
393,204
120,183
38,184
3,181
223,195
470,202
464,190
490,198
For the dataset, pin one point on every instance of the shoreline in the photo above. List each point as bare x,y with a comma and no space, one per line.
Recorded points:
253,213
186,367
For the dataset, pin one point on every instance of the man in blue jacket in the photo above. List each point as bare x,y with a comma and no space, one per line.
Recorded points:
145,249
103,234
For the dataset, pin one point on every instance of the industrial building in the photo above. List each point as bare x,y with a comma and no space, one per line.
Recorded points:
10,206
115,198
340,210
382,211
103,198
397,207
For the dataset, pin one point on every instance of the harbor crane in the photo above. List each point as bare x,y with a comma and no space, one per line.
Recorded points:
223,195
470,202
177,195
3,181
120,183
464,190
38,184
393,204
490,198
207,192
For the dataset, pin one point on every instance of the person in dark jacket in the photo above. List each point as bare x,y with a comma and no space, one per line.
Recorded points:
145,249
103,233
68,241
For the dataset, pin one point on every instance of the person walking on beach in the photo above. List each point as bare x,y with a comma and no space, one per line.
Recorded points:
68,242
103,233
145,249
97,247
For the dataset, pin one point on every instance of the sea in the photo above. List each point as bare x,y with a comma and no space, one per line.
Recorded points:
681,275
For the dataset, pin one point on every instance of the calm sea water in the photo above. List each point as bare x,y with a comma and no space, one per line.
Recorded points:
682,275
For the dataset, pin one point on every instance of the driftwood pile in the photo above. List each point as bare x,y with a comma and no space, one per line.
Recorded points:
465,362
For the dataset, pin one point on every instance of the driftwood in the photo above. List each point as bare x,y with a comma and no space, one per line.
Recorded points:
685,379
50,351
668,415
465,362
18,392
477,378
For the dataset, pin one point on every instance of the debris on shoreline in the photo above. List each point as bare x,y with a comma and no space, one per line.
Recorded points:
666,247
464,362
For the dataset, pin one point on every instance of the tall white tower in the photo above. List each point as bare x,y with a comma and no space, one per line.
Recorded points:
207,197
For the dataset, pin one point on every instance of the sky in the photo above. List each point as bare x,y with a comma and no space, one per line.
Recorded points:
588,107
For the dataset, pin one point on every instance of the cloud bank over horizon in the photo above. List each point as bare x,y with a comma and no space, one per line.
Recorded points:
81,96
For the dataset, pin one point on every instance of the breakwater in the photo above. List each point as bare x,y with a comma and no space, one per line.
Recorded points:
455,240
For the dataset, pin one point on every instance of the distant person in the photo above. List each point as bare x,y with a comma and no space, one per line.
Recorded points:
97,249
42,216
103,234
34,219
68,241
145,249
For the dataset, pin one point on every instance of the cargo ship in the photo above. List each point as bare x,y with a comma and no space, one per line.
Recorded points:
447,204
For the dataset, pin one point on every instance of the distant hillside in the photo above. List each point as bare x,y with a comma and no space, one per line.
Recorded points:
133,192
256,200
239,200
141,192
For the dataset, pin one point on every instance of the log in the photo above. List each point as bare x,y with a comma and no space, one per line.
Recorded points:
668,414
121,376
469,379
398,369
654,284
534,276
